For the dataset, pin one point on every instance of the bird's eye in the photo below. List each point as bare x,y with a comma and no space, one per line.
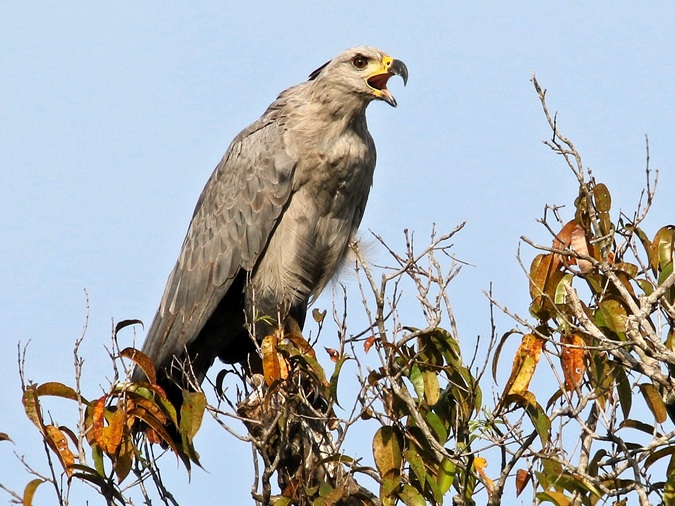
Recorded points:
360,62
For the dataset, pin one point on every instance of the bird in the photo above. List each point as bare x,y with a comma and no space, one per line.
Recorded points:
274,221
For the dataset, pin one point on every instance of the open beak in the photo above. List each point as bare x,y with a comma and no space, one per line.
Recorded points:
378,81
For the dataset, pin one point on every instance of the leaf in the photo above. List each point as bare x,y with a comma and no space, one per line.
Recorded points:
274,364
624,390
142,361
416,464
654,402
111,436
431,387
479,464
333,354
603,204
545,275
29,491
523,477
437,426
59,444
411,497
368,344
192,413
59,390
32,407
319,316
98,418
658,455
603,199
5,437
612,315
572,360
126,323
446,475
387,444
573,237
663,247
416,378
638,425
335,378
557,498
498,351
524,364
124,460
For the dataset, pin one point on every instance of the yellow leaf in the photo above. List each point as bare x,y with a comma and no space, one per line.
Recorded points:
274,364
58,442
654,402
524,364
479,464
29,491
387,444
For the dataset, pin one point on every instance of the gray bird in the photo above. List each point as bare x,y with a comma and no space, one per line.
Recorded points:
275,218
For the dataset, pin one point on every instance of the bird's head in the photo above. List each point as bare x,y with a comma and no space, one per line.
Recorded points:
363,71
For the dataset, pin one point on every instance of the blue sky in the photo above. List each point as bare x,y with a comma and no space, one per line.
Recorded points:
113,115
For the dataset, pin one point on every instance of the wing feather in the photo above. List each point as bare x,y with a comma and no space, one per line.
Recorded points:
232,223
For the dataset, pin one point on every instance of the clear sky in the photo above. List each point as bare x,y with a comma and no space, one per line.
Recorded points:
113,115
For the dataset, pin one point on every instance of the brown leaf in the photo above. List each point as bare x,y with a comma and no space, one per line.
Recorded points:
572,360
573,236
58,442
522,479
142,361
126,323
5,437
368,344
333,354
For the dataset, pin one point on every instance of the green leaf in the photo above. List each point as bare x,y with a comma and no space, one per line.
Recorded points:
557,498
192,413
417,379
612,316
624,390
446,475
437,426
561,290
411,497
416,464
335,377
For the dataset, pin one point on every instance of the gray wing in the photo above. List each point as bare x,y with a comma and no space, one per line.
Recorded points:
231,225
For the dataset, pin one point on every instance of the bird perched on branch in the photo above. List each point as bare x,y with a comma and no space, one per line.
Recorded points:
275,218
